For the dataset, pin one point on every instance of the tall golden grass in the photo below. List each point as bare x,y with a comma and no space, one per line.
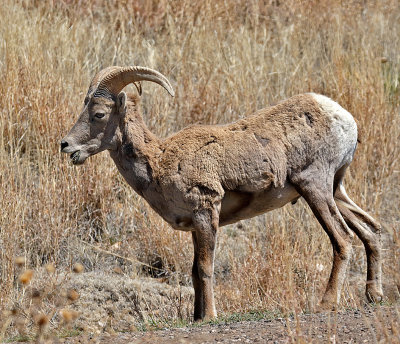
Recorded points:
225,59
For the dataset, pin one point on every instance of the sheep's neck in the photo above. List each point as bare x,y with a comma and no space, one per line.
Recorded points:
136,149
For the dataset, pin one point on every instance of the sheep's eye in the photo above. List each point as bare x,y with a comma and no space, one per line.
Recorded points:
99,115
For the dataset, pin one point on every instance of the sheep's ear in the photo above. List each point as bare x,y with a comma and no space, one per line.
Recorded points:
121,101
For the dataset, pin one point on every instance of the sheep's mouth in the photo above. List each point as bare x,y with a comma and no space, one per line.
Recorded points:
75,157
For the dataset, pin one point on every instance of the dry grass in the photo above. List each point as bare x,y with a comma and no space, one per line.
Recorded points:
40,301
225,59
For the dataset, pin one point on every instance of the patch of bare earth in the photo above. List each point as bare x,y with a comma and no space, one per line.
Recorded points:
379,325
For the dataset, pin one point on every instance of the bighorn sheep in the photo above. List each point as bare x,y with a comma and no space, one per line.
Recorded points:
204,177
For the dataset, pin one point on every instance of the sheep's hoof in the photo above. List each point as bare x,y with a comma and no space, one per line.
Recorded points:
326,305
205,319
209,318
374,294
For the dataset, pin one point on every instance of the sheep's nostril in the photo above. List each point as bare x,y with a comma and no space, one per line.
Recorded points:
63,145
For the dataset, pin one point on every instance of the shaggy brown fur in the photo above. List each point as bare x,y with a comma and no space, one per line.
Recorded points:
204,177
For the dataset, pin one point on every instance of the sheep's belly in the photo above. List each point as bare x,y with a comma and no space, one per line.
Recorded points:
239,205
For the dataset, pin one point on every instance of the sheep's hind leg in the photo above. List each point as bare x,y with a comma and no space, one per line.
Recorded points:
368,230
319,197
204,239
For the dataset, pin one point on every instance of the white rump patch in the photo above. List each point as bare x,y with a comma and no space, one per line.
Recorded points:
333,108
344,127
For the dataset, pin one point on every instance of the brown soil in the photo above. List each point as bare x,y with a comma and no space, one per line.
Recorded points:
380,325
113,307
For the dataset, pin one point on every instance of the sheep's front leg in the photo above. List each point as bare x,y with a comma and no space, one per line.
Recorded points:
204,237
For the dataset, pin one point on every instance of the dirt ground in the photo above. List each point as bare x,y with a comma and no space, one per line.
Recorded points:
379,325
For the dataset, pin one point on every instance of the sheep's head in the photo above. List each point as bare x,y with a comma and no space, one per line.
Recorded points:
96,127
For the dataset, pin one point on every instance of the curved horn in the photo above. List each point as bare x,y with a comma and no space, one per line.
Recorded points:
101,74
98,77
118,77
